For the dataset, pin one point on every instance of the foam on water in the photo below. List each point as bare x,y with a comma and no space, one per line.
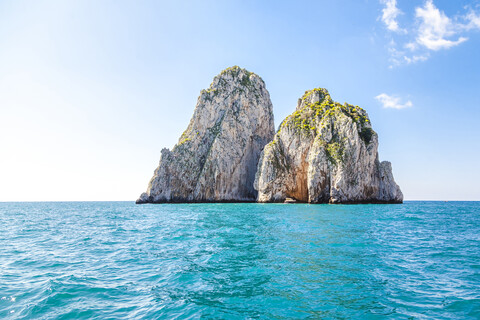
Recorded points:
98,260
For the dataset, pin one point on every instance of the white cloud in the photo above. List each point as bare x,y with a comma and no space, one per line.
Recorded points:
432,31
392,102
412,46
473,20
390,13
416,58
435,27
401,57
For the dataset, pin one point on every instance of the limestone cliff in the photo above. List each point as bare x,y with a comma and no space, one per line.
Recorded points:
325,152
216,158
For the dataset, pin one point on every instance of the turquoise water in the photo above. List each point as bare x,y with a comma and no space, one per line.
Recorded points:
118,260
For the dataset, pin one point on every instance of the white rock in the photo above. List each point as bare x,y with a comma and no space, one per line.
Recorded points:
216,158
325,152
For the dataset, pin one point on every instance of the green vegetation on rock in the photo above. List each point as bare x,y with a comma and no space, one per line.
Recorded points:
235,70
366,134
310,115
183,141
335,152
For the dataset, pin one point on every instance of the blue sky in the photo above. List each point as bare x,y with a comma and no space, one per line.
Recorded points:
90,91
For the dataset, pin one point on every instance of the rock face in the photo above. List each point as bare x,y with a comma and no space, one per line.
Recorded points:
325,152
216,158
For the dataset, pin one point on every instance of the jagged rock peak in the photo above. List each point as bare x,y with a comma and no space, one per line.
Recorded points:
325,152
238,73
314,96
216,157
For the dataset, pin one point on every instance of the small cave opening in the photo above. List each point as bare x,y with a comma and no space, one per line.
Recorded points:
299,190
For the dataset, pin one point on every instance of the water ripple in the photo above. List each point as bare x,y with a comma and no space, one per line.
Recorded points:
116,260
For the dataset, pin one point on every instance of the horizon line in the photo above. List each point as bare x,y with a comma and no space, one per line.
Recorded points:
46,201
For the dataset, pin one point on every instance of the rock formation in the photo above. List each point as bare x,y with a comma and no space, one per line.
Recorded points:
216,158
325,152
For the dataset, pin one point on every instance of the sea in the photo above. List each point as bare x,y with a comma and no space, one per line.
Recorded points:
118,260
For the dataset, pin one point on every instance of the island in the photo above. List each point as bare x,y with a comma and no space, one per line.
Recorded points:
324,152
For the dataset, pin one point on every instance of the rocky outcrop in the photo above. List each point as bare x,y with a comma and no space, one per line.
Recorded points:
216,158
325,152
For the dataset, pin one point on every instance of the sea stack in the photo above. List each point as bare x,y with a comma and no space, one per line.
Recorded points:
215,159
325,152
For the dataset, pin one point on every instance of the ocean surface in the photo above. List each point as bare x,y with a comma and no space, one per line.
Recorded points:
118,260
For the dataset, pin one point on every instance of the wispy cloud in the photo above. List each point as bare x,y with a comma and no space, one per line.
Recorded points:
392,102
432,31
473,20
435,27
389,15
400,56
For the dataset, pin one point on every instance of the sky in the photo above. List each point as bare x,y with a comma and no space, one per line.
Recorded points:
91,91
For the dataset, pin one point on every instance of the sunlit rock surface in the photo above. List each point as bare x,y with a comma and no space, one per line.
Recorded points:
325,152
216,157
